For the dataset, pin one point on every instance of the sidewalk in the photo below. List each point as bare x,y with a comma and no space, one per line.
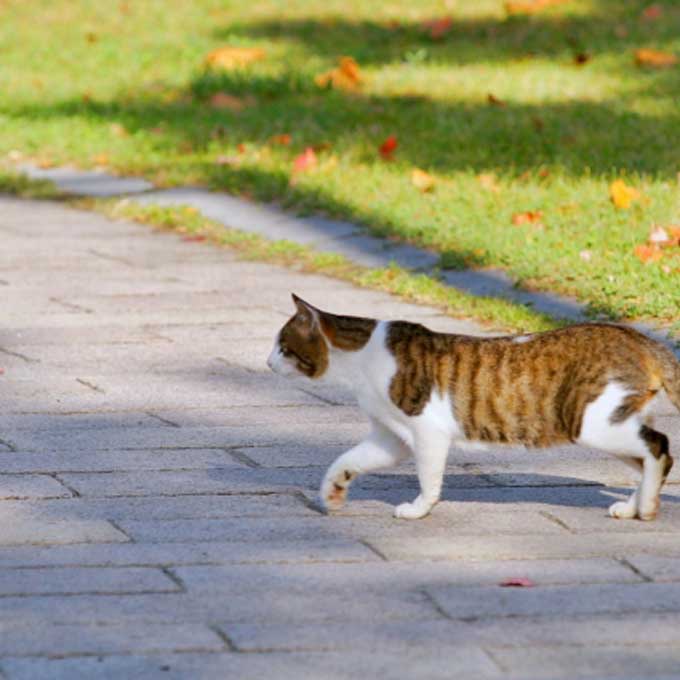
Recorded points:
156,488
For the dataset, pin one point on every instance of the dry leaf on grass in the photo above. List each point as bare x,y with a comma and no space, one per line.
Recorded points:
648,253
388,147
422,181
622,195
307,160
438,28
652,13
282,140
345,76
528,217
228,58
655,58
530,6
494,101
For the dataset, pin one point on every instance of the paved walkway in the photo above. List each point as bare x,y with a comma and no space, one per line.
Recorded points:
156,486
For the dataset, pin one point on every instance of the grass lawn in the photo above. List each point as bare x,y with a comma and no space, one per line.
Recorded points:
123,84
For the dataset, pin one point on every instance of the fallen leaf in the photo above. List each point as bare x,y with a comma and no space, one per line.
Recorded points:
91,37
228,58
422,180
581,58
494,101
538,123
528,217
388,147
282,140
194,239
438,28
488,181
652,13
322,146
622,195
222,100
655,58
648,253
241,148
345,76
530,6
305,161
517,582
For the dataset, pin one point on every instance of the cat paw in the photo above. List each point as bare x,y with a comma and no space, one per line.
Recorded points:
649,512
334,490
415,510
622,510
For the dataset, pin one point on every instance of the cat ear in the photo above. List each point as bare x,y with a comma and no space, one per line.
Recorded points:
306,312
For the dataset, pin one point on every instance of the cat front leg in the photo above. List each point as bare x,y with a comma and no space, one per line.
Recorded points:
431,452
381,449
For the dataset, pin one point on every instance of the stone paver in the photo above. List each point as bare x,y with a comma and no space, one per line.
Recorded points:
157,490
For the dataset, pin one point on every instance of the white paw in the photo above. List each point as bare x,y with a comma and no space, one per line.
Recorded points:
334,489
649,511
622,510
415,510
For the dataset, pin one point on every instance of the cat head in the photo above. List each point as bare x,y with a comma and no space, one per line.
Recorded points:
301,348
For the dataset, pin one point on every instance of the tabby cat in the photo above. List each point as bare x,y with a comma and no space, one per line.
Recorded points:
590,384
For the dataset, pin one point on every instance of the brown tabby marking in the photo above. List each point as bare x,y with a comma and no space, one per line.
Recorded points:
305,336
532,393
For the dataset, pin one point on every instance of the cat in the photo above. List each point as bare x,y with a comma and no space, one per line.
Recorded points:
589,384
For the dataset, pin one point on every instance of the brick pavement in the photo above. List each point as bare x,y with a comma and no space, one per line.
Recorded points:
157,490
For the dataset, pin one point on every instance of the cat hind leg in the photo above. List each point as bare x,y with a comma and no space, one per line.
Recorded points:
381,449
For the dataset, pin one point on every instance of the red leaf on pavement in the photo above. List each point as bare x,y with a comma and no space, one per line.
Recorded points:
388,147
517,582
305,161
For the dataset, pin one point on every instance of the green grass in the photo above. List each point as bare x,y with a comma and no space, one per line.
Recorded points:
564,133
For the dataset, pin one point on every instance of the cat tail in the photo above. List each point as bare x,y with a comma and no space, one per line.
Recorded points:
670,373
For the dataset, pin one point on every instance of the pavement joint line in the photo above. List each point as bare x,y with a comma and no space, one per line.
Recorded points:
166,421
228,642
366,543
72,306
90,385
117,527
556,520
55,475
496,662
242,458
325,400
435,605
12,448
112,258
310,503
19,355
629,565
175,579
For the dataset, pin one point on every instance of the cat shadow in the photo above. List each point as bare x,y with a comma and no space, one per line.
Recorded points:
515,488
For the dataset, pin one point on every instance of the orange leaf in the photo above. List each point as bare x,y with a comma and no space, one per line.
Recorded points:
438,28
622,195
528,217
233,57
100,159
282,140
655,58
646,253
494,101
388,147
529,6
222,100
422,180
652,13
305,161
345,76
